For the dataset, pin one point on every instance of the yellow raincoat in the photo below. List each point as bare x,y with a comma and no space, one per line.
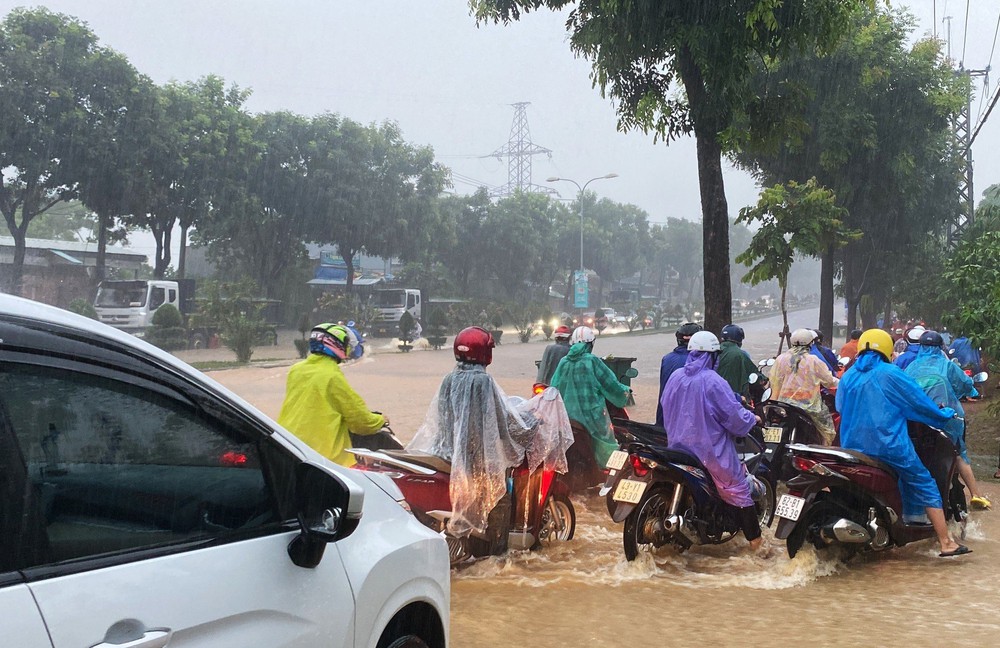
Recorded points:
320,407
796,378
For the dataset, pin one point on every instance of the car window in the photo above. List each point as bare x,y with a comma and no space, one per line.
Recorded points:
111,466
157,297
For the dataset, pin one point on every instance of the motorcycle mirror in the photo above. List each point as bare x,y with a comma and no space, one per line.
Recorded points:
981,377
767,395
843,360
753,378
632,372
956,361
770,362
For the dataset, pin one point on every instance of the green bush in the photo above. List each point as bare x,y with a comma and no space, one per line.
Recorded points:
168,338
83,307
167,316
240,334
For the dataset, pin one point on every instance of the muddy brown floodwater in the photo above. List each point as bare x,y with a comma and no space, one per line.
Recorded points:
584,593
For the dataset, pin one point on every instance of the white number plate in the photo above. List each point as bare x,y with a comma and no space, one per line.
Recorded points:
790,507
616,460
773,434
629,491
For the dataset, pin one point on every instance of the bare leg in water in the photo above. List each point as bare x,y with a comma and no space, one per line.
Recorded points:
936,516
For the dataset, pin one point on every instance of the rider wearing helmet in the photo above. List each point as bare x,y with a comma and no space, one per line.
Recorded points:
909,354
822,352
946,384
585,383
796,379
702,417
320,407
470,424
875,399
850,349
674,361
735,366
553,354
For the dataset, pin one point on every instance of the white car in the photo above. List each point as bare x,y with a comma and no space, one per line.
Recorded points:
143,505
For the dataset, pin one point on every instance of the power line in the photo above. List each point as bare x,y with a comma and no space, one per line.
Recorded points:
965,32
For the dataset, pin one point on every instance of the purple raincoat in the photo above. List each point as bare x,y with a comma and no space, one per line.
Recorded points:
702,416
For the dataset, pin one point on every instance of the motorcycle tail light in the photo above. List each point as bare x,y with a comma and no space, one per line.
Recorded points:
802,464
538,388
638,467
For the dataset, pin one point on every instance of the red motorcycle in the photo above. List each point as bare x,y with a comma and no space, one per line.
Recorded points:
843,497
536,508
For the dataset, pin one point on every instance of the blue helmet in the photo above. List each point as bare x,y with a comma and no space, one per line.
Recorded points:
733,333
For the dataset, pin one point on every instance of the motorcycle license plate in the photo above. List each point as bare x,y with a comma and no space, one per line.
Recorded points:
790,507
773,434
630,491
616,460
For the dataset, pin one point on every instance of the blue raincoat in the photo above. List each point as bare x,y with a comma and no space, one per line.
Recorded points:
908,356
963,351
702,416
875,399
826,355
945,383
670,363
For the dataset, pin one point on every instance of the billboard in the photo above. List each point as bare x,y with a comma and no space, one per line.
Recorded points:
581,289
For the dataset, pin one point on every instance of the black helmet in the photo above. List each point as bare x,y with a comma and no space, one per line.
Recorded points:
856,334
931,339
733,333
685,332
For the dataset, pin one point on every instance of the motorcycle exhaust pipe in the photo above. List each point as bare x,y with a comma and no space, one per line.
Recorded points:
672,523
844,530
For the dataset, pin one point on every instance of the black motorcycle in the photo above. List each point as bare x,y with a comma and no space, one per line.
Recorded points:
668,498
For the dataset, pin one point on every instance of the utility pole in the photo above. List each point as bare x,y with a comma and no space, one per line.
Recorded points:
962,130
518,150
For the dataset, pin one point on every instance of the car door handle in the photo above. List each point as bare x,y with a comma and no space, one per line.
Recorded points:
131,633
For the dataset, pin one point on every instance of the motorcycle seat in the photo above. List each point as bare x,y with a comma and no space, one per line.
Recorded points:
869,461
421,459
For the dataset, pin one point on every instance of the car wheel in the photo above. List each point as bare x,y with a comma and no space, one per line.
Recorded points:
408,641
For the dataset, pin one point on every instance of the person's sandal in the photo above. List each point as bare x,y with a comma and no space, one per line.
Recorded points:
981,503
961,551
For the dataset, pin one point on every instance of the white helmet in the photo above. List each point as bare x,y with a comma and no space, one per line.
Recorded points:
582,334
802,337
704,341
913,335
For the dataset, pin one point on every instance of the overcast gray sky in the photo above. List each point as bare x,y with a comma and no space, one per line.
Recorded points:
449,84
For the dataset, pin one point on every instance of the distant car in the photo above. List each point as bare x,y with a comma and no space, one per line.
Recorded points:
144,504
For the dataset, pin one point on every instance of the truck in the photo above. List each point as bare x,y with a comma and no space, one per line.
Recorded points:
129,305
391,304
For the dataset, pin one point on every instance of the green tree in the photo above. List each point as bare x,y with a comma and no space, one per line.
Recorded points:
793,219
871,121
642,49
973,278
56,84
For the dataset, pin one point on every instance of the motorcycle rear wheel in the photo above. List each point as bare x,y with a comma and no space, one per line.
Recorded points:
765,505
558,520
652,509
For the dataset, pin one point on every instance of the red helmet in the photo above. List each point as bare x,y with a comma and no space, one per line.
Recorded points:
563,332
475,345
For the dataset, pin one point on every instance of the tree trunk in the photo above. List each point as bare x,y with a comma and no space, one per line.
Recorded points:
15,278
348,258
100,264
826,296
714,210
162,251
182,257
715,235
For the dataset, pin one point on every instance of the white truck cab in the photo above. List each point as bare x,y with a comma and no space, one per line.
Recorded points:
130,305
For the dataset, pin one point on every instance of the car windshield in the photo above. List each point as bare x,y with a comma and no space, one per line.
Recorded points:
390,298
121,295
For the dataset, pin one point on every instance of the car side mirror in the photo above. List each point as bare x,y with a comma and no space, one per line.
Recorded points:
328,509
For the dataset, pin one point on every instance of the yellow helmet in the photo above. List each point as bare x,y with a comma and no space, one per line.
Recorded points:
876,340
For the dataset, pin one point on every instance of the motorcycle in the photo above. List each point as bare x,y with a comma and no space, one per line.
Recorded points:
846,498
668,498
535,510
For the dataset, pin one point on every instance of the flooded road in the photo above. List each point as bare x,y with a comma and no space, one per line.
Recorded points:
584,592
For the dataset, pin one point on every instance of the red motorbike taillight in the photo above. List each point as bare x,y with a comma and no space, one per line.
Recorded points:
538,388
233,459
802,464
638,467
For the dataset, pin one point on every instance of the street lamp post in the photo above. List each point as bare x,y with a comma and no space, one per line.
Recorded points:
580,201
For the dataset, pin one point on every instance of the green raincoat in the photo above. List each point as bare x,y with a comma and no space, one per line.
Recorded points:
320,407
585,382
735,367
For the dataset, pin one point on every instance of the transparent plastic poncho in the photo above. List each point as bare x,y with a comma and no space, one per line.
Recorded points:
483,433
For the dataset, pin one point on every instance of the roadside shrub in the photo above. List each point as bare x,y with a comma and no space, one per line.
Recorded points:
167,316
240,334
167,330
83,307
